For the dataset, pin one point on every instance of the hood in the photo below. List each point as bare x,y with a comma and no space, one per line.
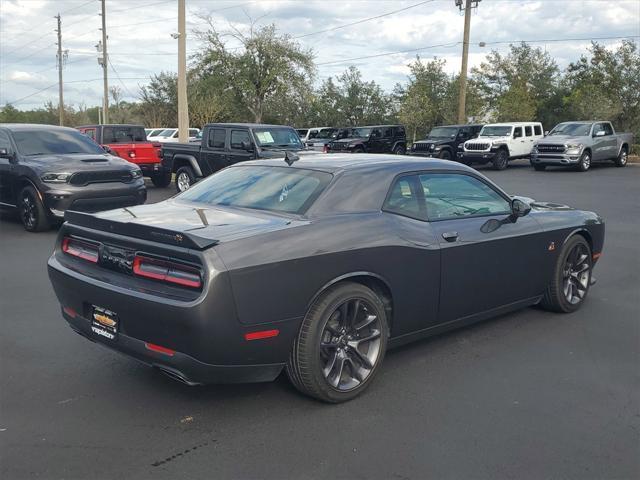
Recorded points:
183,223
78,162
542,206
561,139
489,139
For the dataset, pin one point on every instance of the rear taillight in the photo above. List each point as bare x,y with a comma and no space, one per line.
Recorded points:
166,271
132,154
80,249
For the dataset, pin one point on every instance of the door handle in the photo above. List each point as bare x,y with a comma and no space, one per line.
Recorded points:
450,236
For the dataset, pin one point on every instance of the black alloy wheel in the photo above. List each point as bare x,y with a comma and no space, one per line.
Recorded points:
572,277
341,344
501,160
32,212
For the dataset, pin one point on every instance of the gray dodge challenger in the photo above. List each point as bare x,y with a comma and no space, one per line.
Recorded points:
315,266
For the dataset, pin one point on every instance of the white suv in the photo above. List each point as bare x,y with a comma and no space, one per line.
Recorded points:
500,142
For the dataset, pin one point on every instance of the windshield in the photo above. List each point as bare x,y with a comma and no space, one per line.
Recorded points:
278,189
443,132
358,133
277,137
123,135
156,132
572,129
167,133
55,141
495,131
327,133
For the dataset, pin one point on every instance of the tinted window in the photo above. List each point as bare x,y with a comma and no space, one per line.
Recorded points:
399,131
239,136
387,132
44,142
216,138
607,129
403,198
123,135
528,131
597,128
5,142
91,133
537,129
281,189
456,195
517,132
193,132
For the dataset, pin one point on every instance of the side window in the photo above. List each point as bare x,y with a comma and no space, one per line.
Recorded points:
376,133
537,129
597,128
399,131
607,129
193,132
456,195
528,131
387,132
313,134
517,132
239,136
91,133
216,138
403,199
5,142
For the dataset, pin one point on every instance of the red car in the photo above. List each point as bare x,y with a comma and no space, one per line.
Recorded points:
130,142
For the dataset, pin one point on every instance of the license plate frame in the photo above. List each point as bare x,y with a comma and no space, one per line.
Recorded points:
104,323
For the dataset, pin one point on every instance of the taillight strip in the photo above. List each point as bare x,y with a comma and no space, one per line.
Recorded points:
80,249
167,271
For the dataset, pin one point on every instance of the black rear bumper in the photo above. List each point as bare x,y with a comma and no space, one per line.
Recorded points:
177,365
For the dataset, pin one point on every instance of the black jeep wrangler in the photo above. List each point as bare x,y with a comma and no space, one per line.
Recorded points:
442,142
371,139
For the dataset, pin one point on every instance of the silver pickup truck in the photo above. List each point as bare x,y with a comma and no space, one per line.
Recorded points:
579,144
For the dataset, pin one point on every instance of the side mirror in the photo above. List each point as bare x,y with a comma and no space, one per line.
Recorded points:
5,153
247,146
601,133
519,208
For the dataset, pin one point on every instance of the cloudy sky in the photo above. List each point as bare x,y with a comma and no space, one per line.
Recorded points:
140,42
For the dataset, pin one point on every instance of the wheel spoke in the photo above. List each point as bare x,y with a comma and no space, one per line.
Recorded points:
328,345
367,321
583,268
330,365
355,371
372,336
336,380
343,314
354,313
363,359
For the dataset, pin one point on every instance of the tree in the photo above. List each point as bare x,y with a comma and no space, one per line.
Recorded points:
267,68
606,85
525,76
159,100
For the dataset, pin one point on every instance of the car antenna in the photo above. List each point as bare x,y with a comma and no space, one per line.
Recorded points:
290,157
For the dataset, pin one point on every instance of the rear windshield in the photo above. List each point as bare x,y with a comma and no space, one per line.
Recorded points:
277,137
278,189
47,142
123,135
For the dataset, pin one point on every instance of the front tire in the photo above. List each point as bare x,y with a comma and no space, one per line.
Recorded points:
501,160
445,155
621,161
32,212
585,162
341,344
399,150
571,277
184,178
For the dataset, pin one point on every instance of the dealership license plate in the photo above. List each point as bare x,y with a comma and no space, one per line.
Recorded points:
104,323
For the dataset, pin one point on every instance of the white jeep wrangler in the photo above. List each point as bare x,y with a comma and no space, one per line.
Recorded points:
500,142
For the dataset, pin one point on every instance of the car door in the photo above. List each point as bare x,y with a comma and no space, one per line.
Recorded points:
518,147
599,145
610,149
488,258
215,155
241,146
528,139
7,171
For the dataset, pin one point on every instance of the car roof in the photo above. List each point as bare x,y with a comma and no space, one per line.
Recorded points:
460,125
510,124
112,125
33,126
247,125
336,162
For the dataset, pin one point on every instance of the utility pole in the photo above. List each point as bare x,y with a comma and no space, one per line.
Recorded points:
105,63
61,58
183,107
462,97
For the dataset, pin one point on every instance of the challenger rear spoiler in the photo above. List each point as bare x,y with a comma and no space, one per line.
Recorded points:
183,239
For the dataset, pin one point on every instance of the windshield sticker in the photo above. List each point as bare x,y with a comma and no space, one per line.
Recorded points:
284,193
264,137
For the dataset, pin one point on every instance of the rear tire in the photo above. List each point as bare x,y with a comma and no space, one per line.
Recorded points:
621,161
184,178
399,150
585,162
358,150
161,180
501,160
33,215
341,344
571,277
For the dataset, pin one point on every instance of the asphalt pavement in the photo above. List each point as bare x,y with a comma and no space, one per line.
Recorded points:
528,395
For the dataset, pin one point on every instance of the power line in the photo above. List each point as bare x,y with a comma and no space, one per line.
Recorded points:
363,20
121,82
